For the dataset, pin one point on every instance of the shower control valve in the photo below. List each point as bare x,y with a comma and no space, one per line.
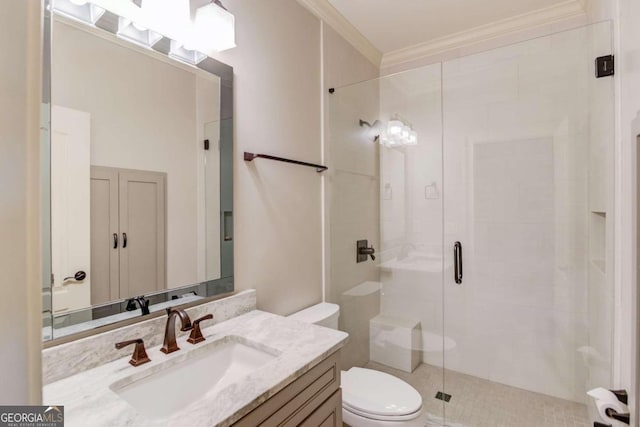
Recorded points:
364,251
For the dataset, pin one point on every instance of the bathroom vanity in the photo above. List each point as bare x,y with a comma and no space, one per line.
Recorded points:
314,399
254,369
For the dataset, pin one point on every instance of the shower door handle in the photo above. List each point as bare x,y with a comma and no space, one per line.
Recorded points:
457,262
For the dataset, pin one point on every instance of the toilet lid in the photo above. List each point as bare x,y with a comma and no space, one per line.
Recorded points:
376,393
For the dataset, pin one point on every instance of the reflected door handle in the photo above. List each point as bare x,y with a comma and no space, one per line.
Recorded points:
78,277
457,262
124,240
115,240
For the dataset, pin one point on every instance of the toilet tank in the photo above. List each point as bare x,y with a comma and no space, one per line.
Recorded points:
323,314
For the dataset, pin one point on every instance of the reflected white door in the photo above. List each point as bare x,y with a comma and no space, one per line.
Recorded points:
70,207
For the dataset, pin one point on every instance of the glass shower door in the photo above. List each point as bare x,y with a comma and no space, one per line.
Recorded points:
384,185
528,144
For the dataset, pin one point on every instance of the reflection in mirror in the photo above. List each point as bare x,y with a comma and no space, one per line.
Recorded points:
136,178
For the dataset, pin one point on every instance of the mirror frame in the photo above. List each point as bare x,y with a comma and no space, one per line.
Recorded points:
210,290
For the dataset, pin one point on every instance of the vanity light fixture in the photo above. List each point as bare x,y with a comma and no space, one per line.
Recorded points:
137,34
79,10
213,28
196,28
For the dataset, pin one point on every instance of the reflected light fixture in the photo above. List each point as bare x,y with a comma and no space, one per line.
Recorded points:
79,10
181,53
398,133
136,33
394,128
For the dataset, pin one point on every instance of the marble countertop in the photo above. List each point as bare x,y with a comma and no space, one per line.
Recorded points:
89,400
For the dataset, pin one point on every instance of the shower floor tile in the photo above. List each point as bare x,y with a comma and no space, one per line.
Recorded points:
481,403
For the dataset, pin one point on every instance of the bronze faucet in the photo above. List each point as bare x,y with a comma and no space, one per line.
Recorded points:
170,345
139,354
196,333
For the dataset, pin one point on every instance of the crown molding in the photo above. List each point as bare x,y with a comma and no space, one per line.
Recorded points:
330,15
565,10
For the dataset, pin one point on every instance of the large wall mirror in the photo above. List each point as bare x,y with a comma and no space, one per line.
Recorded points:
138,178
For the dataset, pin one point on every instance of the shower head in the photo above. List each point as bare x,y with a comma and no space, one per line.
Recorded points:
376,127
375,124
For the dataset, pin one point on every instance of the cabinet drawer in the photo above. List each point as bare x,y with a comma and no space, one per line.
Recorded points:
297,401
329,414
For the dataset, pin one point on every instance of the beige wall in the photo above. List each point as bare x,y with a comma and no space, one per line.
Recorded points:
278,101
278,233
19,207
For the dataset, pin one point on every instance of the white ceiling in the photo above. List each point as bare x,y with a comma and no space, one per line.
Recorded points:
395,24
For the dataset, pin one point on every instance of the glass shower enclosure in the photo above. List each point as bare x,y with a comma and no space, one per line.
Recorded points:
485,186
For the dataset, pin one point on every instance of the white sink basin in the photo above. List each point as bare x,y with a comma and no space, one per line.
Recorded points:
172,386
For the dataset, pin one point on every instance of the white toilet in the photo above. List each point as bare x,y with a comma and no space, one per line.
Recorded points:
369,398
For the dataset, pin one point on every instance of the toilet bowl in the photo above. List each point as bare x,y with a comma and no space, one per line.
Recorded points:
369,398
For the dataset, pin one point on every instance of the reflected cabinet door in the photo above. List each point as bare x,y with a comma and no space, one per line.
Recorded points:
128,228
142,228
105,240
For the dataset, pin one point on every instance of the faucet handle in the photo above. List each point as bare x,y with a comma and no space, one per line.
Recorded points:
196,334
139,356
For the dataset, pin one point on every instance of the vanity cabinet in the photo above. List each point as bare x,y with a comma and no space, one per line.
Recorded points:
313,400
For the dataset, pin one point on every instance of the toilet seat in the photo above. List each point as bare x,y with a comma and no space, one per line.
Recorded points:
407,417
379,396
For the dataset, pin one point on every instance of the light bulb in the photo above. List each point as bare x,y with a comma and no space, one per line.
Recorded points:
395,127
383,139
413,138
139,27
190,43
405,132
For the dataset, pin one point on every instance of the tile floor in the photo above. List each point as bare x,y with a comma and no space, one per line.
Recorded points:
482,403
